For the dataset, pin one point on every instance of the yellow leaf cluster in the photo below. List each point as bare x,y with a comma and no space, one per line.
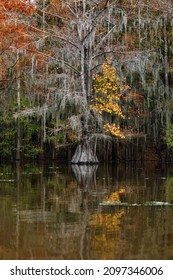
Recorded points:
114,130
108,89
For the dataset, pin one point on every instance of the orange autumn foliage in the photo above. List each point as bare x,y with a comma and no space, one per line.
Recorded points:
13,28
59,8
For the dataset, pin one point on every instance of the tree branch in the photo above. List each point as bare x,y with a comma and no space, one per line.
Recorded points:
58,60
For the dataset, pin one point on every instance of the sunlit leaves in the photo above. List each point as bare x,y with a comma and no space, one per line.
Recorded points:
108,90
113,129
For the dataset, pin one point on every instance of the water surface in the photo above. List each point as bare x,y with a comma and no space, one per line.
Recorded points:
58,212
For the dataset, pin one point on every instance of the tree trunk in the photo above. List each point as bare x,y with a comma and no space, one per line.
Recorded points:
18,109
84,154
18,140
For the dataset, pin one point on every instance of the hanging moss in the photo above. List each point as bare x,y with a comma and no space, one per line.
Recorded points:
7,136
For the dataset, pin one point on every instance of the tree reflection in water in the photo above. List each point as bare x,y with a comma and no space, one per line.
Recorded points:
57,213
85,175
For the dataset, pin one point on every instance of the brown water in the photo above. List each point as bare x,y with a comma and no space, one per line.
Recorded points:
54,212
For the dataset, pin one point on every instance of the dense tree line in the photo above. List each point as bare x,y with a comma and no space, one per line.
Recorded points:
91,78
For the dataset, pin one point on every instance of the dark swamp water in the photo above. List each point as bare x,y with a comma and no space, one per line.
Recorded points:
65,212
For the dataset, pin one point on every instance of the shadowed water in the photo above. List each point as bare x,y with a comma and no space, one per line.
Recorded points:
63,212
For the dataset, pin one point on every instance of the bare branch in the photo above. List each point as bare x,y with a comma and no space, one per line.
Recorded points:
58,60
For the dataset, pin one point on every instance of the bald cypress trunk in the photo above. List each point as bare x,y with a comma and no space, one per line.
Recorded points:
84,153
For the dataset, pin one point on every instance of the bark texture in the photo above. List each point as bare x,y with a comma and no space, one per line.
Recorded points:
84,154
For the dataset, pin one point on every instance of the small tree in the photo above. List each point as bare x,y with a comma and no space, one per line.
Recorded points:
108,89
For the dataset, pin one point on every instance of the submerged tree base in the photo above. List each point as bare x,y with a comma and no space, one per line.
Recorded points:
84,154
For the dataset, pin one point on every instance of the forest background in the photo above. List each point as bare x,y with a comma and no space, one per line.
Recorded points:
86,81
